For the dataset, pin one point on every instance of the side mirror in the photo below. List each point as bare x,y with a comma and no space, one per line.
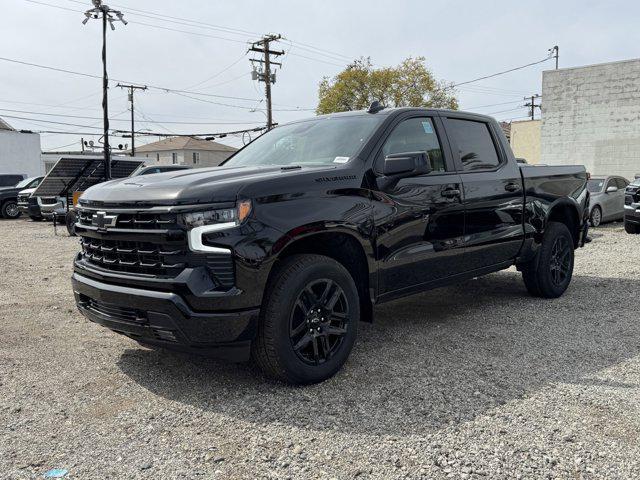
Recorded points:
612,189
403,165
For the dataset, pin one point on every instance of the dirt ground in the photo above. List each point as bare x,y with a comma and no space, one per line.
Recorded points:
477,380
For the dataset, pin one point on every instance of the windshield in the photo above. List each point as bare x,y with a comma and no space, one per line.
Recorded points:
321,141
595,185
24,183
636,182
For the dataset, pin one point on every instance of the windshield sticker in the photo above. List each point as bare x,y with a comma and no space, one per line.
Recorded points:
427,127
341,160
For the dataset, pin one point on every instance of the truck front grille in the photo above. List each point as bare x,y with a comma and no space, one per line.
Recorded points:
48,200
146,221
163,260
134,257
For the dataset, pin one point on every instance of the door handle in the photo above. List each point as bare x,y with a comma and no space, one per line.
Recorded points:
450,192
512,187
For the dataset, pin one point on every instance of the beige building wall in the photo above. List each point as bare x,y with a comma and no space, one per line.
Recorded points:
204,158
526,140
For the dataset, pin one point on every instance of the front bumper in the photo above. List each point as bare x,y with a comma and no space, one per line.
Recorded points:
632,213
164,319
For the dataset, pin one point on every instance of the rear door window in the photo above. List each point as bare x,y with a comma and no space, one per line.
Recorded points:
474,144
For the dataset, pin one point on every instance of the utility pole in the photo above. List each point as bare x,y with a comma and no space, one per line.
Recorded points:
132,88
100,10
532,105
555,53
262,46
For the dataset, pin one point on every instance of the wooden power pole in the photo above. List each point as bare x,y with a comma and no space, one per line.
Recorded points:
132,88
532,105
263,46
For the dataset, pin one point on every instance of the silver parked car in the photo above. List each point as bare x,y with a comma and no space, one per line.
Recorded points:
607,199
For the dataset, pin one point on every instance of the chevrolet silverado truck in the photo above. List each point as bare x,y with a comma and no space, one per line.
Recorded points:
279,253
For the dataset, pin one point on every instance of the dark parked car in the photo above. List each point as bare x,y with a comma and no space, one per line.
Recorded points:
632,207
10,179
9,197
607,199
281,251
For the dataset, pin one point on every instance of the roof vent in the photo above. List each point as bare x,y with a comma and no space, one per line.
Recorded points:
375,107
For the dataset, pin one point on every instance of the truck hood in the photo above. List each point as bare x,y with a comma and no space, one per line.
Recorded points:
187,187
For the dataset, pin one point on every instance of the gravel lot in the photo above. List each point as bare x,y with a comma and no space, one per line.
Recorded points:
473,381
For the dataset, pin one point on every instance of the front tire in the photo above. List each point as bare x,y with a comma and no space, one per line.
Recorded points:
596,216
549,274
70,220
10,210
631,228
308,321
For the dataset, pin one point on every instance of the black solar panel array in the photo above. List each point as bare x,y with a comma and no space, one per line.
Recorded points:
72,174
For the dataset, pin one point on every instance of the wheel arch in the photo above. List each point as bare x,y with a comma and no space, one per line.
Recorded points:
344,246
567,213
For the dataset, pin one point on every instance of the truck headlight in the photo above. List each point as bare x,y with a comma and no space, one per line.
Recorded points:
211,221
227,217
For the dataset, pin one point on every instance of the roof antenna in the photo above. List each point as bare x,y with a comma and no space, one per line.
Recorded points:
375,107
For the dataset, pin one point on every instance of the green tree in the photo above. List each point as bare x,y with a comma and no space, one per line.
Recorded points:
410,84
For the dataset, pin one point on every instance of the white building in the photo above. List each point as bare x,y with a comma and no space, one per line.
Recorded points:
591,116
190,151
19,152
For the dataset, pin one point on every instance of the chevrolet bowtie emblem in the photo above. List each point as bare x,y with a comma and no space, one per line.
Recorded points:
103,221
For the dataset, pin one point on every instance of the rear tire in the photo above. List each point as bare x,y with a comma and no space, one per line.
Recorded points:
549,274
308,321
631,228
10,210
596,216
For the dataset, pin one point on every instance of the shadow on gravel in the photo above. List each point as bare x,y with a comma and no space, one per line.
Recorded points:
432,360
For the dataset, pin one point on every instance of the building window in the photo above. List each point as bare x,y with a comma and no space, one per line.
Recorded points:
196,158
174,157
157,157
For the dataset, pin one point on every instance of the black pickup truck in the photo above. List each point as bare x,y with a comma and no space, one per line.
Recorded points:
9,197
280,252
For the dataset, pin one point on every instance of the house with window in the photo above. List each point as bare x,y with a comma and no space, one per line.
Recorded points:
190,151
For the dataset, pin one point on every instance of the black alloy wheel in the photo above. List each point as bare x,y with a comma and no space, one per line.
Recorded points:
318,322
560,264
308,321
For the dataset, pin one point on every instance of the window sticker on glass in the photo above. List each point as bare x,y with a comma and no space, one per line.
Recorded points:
341,160
427,127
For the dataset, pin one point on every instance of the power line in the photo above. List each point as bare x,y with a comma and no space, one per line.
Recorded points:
505,111
500,73
233,31
156,87
492,105
198,25
217,74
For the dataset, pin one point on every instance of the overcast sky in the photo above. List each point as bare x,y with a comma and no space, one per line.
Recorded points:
461,40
